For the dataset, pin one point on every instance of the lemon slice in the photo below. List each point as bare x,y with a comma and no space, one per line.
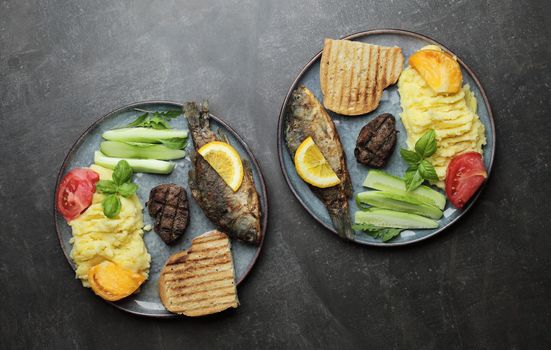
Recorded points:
225,160
312,166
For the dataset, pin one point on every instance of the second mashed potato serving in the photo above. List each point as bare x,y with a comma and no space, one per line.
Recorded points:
452,116
120,240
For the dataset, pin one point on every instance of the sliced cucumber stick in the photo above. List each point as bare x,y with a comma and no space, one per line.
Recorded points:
138,165
145,151
383,181
394,219
399,202
143,134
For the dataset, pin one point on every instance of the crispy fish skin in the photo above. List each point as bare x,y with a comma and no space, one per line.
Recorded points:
237,213
307,117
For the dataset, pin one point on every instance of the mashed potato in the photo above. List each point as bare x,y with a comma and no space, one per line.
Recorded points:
120,240
453,117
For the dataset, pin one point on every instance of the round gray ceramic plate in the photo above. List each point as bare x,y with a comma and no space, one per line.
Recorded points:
147,301
349,128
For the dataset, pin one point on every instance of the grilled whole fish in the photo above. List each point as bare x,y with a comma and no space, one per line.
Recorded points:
307,117
237,213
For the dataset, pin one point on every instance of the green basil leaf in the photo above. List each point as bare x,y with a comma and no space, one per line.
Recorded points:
111,206
427,171
413,179
411,157
127,189
408,175
122,172
138,121
175,142
106,187
426,145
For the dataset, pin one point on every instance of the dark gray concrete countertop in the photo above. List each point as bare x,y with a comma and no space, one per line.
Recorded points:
483,284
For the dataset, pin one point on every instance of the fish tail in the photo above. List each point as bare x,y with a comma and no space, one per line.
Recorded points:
342,223
197,115
198,121
191,112
204,107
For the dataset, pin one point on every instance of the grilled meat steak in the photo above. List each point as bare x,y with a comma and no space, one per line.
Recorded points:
169,206
376,141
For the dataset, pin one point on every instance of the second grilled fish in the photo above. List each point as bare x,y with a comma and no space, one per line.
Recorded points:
307,117
237,213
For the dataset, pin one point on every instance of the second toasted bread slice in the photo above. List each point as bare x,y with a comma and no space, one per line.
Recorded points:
354,74
200,281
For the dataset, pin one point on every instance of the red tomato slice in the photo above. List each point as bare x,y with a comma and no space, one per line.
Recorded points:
85,174
75,192
466,173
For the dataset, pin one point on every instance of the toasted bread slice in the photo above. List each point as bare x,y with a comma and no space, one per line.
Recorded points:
354,74
200,281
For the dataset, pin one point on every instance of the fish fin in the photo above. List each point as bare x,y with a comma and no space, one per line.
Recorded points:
191,172
348,185
222,137
192,182
342,223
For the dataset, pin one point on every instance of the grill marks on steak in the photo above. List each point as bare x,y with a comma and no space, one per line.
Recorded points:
169,207
376,141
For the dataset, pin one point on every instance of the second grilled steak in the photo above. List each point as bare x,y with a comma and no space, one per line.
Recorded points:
376,141
169,206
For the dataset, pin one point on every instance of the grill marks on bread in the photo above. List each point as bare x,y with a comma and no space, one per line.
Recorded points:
353,75
200,281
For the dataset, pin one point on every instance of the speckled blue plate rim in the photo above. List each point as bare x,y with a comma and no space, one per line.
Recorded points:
81,138
281,146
